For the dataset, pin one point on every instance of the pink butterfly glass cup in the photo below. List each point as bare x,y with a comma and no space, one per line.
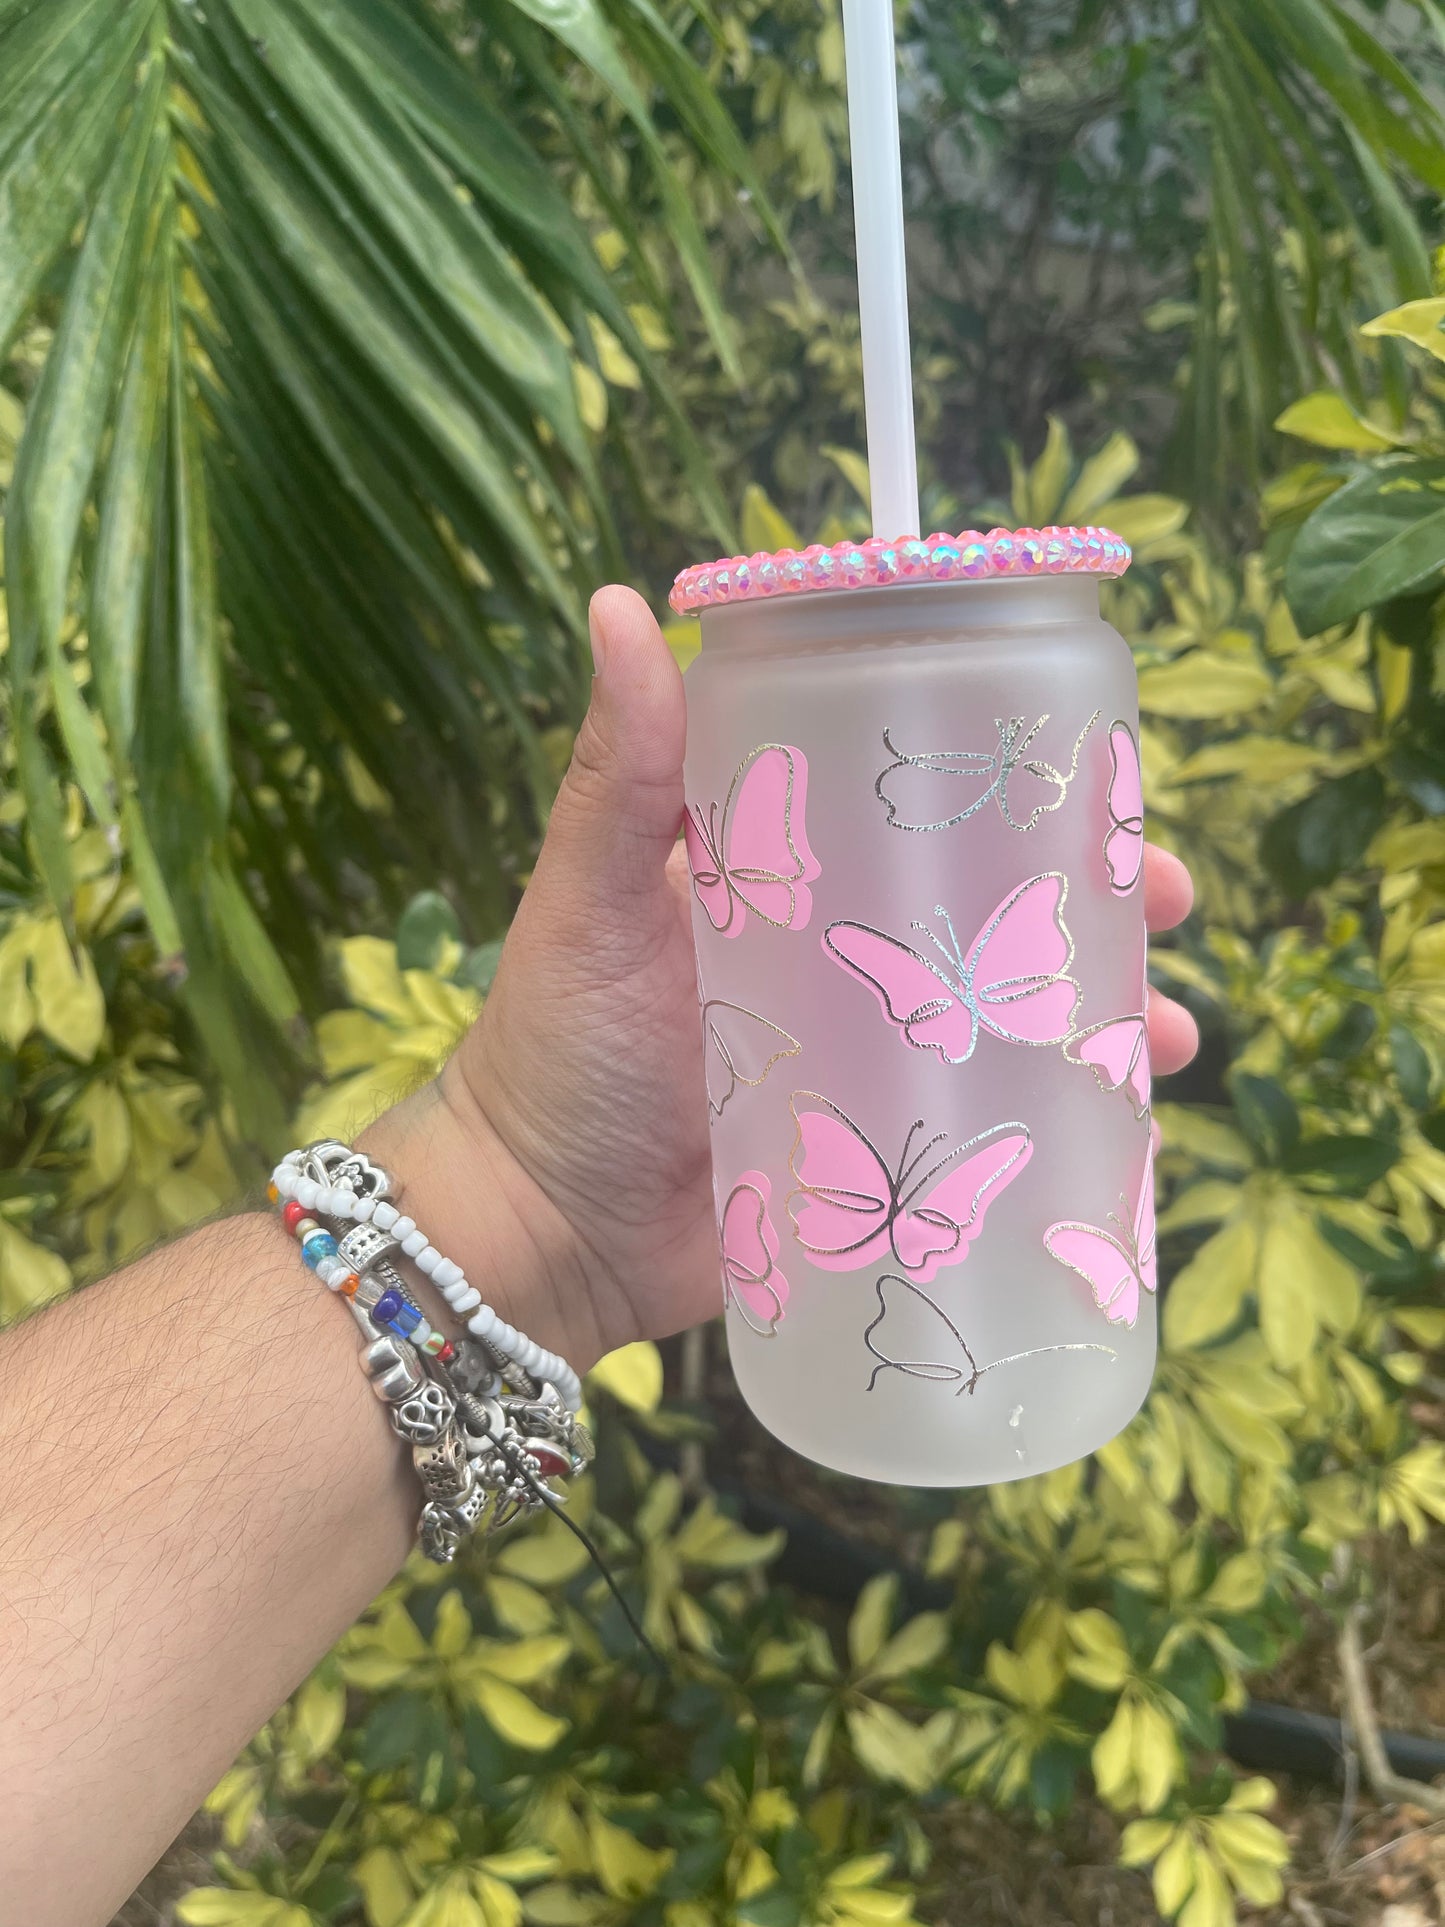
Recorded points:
915,831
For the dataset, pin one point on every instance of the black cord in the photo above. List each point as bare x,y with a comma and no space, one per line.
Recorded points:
557,1505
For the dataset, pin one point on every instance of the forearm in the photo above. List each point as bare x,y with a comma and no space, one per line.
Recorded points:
198,1494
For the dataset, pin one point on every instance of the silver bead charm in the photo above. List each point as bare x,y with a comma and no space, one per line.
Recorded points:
424,1416
394,1369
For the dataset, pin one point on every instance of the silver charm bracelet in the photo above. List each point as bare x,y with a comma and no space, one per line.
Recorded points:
490,1417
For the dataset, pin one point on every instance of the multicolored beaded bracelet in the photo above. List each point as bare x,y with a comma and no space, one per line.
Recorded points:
290,1186
876,564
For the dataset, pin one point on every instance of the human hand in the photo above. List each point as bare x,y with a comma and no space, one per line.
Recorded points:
570,1157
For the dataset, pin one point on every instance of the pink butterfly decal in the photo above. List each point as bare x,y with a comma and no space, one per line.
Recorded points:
751,1278
850,1208
899,1302
1117,1051
1013,980
741,1048
933,789
1124,844
1118,1264
753,853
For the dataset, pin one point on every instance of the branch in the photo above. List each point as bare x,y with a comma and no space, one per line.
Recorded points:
1388,1787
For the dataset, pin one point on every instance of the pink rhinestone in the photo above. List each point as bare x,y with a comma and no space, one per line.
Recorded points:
792,570
702,585
852,565
913,557
822,567
972,555
1003,552
943,557
764,570
1078,548
882,559
1094,548
742,576
722,581
1030,545
1056,549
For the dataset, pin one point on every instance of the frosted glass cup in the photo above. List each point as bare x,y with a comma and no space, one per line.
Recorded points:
915,833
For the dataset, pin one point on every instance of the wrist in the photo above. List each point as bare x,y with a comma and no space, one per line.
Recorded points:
455,1176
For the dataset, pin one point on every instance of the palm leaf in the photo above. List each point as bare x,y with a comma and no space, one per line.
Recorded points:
304,509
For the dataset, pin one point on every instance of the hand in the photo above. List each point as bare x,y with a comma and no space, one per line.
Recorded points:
578,1097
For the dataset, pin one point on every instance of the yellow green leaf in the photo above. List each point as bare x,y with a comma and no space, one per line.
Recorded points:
318,1714
1417,321
1102,1657
1158,1763
501,1905
548,1555
1327,420
1204,1298
591,392
30,1275
683,638
230,1907
386,1889
1143,520
871,1618
1143,1841
518,1720
17,1006
632,1374
523,1662
1204,686
765,527
372,978
1113,1756
919,1643
68,1001
520,1608
1210,1904
853,467
1239,1584
625,1868
1044,484
863,1871
889,1748
1175,1872
1100,479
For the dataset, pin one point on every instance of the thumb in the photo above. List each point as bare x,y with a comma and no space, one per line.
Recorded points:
617,815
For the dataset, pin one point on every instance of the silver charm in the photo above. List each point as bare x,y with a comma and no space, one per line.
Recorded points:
424,1416
363,1246
333,1164
441,1533
442,1467
394,1369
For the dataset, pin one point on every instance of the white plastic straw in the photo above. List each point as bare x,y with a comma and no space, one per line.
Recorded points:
882,279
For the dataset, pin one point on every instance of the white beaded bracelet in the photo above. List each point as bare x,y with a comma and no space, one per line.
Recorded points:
341,1201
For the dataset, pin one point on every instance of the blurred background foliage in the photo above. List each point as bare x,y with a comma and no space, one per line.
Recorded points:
343,350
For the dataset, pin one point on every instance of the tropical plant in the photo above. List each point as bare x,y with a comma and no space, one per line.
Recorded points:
313,357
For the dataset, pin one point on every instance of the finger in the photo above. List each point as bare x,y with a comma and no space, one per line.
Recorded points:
1173,1034
616,818
1168,889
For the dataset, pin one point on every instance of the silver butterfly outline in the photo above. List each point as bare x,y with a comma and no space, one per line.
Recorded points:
940,1371
1012,753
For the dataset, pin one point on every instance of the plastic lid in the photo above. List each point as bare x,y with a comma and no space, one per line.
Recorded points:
877,564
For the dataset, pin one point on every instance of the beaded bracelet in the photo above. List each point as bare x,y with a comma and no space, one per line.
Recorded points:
489,1418
348,1197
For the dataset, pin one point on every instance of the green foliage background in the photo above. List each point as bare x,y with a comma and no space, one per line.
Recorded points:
344,350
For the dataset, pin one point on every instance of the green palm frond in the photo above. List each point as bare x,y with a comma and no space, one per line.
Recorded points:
1324,153
304,513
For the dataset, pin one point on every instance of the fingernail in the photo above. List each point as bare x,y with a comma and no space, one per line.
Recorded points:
594,632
